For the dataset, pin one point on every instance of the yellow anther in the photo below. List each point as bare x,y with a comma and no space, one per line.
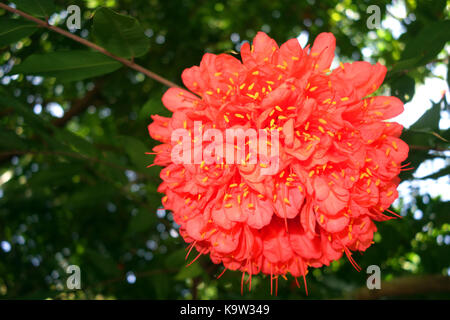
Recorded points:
272,122
388,150
394,144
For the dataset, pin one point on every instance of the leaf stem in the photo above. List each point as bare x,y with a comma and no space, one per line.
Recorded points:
92,45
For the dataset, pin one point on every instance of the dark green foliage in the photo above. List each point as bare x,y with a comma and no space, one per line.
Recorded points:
76,190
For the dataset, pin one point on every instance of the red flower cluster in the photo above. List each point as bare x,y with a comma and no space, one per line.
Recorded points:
339,159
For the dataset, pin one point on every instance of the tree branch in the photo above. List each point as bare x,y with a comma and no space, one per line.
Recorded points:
92,45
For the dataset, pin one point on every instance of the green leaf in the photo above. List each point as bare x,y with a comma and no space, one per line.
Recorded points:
403,87
36,122
121,35
443,172
429,42
153,106
115,169
402,67
194,270
58,174
68,65
103,263
12,30
136,151
9,140
448,77
141,222
92,196
429,120
176,258
76,142
38,8
416,156
162,286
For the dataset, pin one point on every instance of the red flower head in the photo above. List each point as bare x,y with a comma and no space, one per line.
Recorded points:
337,158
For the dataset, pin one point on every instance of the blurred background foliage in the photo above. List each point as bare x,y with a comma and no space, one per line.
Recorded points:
74,187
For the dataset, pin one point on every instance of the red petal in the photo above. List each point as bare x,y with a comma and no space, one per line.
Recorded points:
323,48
